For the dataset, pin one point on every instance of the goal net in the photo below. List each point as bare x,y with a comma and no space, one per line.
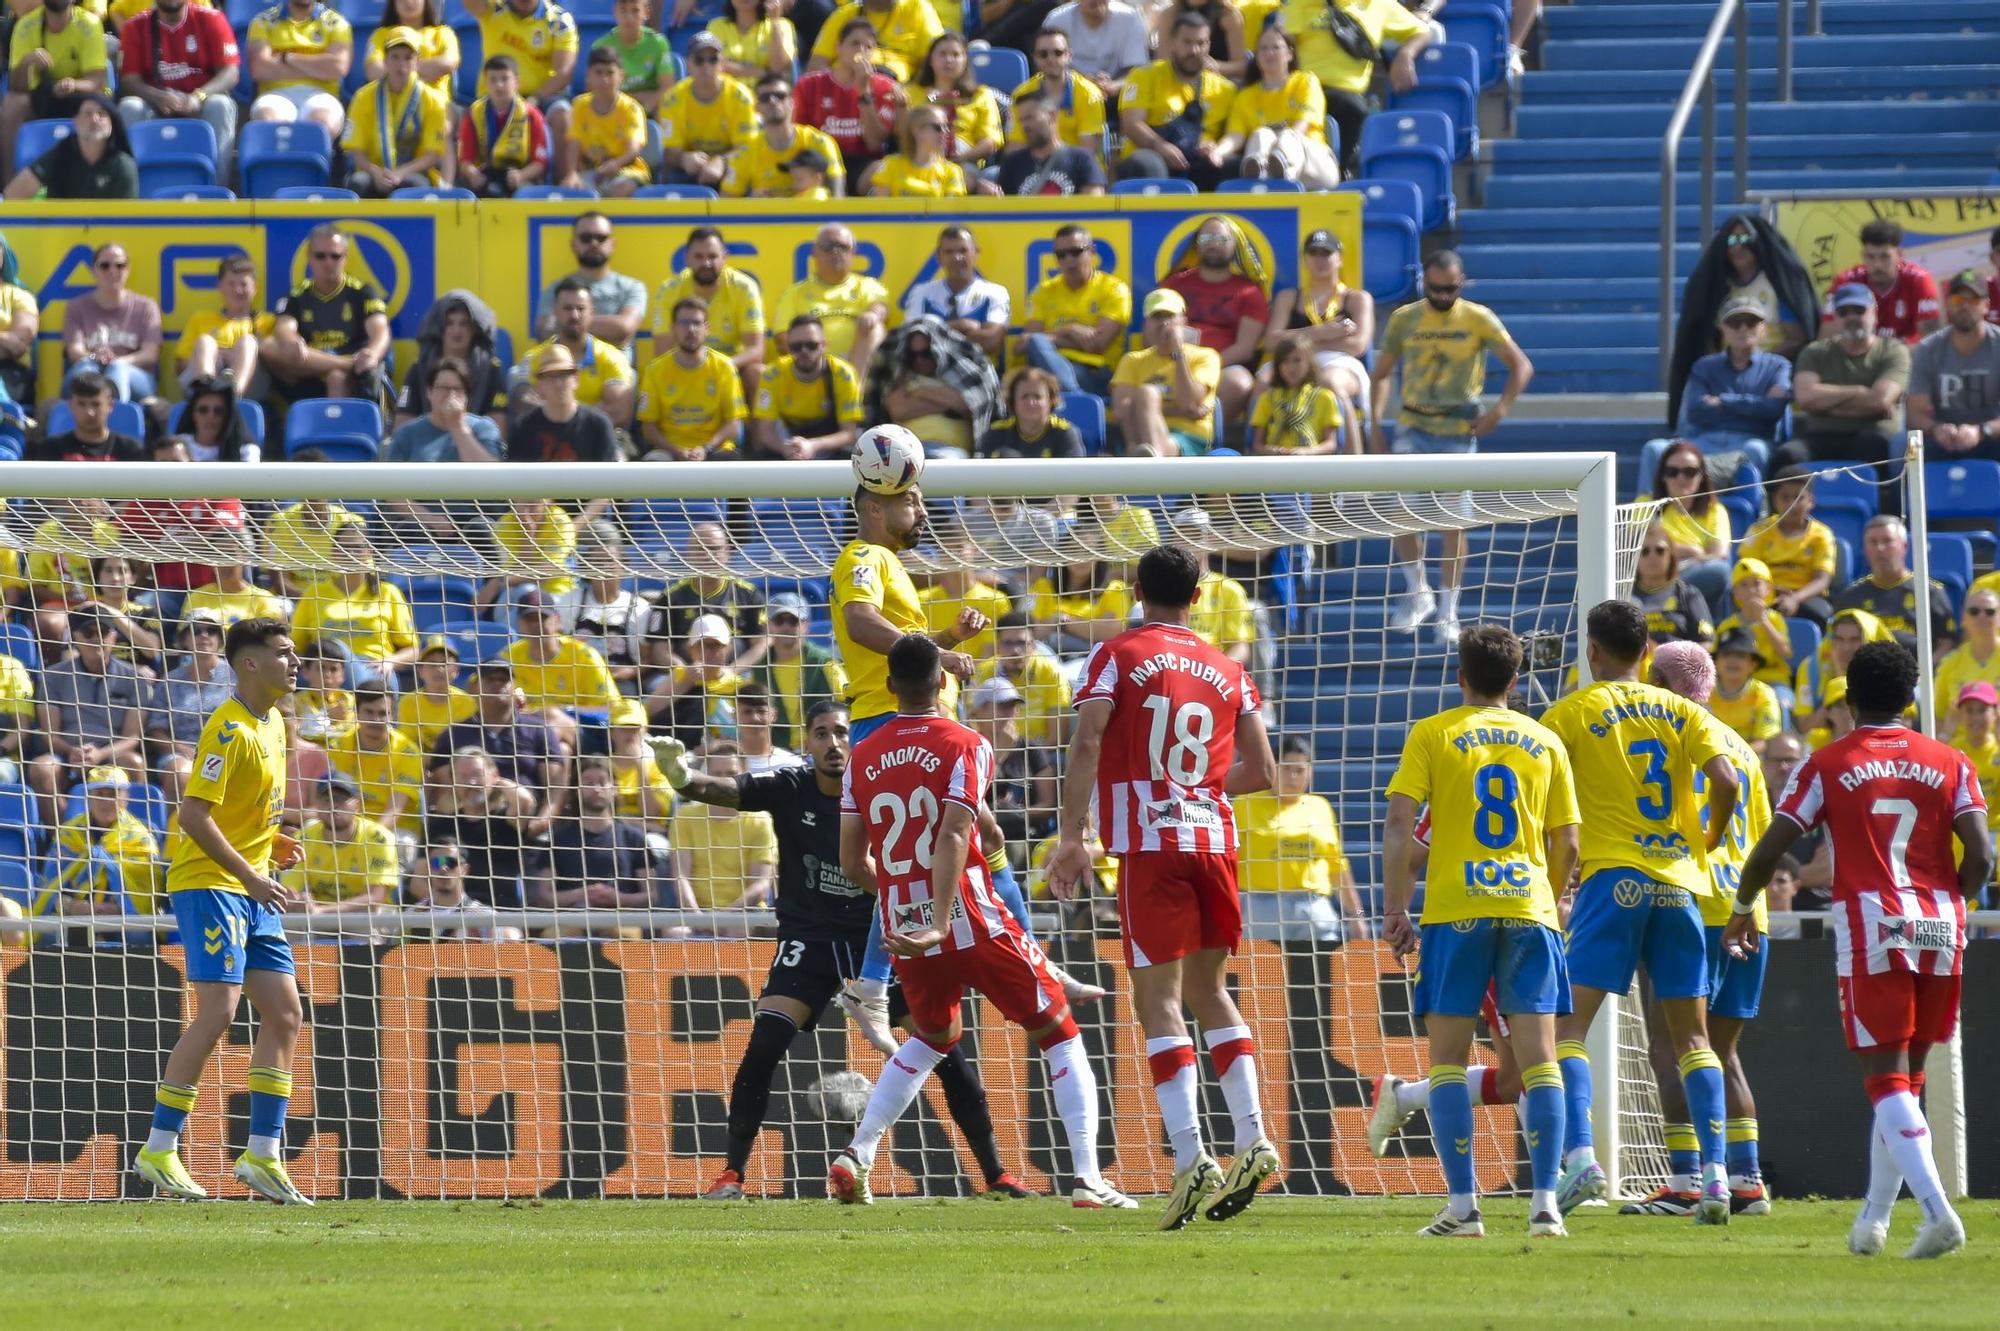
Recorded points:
528,971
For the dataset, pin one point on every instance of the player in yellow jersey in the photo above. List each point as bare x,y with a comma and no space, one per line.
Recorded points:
1503,838
874,604
1636,749
1735,984
227,902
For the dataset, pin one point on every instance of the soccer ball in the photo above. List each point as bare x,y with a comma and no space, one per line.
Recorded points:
888,459
840,1097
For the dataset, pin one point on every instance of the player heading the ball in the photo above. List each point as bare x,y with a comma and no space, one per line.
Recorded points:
1168,728
913,823
1892,801
1503,835
228,904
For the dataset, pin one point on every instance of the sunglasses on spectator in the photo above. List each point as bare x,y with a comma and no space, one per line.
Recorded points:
1981,611
1071,251
705,58
594,237
1681,473
837,246
1655,549
1743,321
446,861
112,263
1963,298
1734,241
800,348
1444,288
1051,52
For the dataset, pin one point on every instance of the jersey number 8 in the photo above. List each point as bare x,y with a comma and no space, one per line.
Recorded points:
1495,823
1186,763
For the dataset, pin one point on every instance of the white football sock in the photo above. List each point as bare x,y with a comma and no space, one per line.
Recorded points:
1540,1200
1234,1055
1176,1094
1579,1156
1073,1087
1413,1095
902,1077
264,1148
1885,1181
1448,603
1908,1136
865,988
1411,576
159,1139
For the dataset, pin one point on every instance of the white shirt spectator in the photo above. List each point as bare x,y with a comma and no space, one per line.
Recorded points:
981,301
765,762
1119,45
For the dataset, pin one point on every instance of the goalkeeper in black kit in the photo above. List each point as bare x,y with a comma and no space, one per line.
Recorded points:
822,929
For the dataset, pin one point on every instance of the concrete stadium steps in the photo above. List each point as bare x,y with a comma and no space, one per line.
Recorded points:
1634,188
1926,150
1544,122
1583,87
1566,295
1639,52
1649,18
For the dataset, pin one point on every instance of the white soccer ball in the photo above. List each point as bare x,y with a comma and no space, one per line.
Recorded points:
840,1097
888,459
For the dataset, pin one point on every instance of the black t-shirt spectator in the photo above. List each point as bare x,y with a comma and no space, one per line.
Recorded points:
521,752
1058,440
66,447
66,175
584,437
815,902
488,398
494,848
1065,171
336,324
576,855
736,601
1896,606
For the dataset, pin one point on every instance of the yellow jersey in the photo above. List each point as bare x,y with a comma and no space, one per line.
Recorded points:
1381,21
758,168
1079,113
77,50
332,870
1794,558
1635,748
941,611
836,305
903,37
634,779
833,395
1746,826
1113,601
900,178
229,607
1986,766
721,846
534,41
688,124
752,47
1103,864
435,41
1163,95
129,845
1298,98
239,770
1498,783
600,364
872,575
1291,419
1045,697
1443,358
1700,531
1959,668
373,623
389,130
17,690
603,135
1753,714
1287,848
315,34
1150,366
300,540
226,331
383,774
424,717
543,553
690,405
1223,616
974,119
61,555
574,677
735,308
1056,304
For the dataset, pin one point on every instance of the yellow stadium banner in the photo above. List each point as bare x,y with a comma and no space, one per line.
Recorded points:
1943,232
510,252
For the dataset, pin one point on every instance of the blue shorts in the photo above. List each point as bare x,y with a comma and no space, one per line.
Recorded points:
1523,960
1736,984
863,727
1414,439
226,934
1623,917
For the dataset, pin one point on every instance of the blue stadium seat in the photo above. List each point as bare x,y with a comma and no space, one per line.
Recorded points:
20,835
1086,413
471,54
1963,488
253,416
126,418
1240,186
596,13
798,530
147,802
657,191
436,598
193,193
577,192
17,881
174,153
1000,67
1805,637
1452,60
662,524
476,639
587,33
346,429
1154,185
316,194
1415,146
1838,488
1453,97
1951,564
18,641
1483,28
431,193
1391,247
271,157
1741,506
36,137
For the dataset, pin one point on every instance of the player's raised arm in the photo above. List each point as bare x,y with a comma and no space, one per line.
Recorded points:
1255,768
1399,875
671,755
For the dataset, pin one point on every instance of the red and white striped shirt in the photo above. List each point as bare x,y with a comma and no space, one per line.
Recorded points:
1168,747
897,782
1887,797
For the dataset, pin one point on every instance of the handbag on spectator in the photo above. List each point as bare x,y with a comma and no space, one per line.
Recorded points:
1351,36
1184,130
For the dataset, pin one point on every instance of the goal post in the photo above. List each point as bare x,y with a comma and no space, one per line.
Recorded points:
545,1039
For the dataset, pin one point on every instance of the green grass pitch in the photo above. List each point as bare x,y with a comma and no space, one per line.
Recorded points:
803,1266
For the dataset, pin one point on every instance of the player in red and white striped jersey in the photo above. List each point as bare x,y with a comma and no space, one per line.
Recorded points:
1167,730
913,815
1892,801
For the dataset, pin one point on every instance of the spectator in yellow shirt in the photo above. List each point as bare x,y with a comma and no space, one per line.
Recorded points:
607,138
106,835
1277,121
960,587
1163,396
562,678
436,704
809,404
1695,520
945,80
690,400
724,858
1741,701
541,38
224,341
920,167
385,764
437,43
705,117
1045,693
396,126
735,304
353,607
1174,113
56,58
757,40
1974,661
1975,707
536,541
853,307
298,51
761,168
1344,74
1292,861
1078,105
1080,604
603,373
1077,319
1755,614
1795,546
350,861
904,30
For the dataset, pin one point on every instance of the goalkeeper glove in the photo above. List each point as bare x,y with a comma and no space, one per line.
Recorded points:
672,757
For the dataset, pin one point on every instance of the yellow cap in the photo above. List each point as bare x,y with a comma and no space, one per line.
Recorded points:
437,642
628,712
1750,568
1835,691
401,36
106,775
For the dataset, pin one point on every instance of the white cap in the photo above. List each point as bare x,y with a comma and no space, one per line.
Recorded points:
710,628
991,692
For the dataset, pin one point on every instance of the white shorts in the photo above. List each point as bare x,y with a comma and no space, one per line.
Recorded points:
297,102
